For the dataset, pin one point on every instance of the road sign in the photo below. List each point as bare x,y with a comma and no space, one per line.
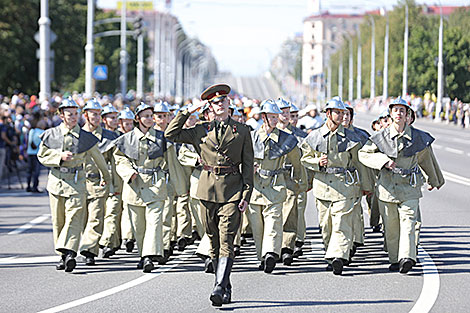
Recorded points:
53,37
100,72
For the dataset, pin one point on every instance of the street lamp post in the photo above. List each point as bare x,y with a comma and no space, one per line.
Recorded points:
340,74
140,66
156,60
440,70
385,73
351,70
359,64
123,52
89,49
44,52
405,55
372,61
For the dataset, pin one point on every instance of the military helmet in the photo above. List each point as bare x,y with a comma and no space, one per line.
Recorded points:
399,101
349,107
68,103
142,107
236,112
269,106
282,103
335,103
293,108
385,113
109,109
92,104
161,107
126,114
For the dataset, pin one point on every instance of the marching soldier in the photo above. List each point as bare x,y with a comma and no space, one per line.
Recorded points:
111,238
401,153
226,181
142,162
97,194
271,148
290,206
126,123
331,152
64,149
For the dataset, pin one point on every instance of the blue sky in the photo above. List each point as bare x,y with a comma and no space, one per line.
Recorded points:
245,35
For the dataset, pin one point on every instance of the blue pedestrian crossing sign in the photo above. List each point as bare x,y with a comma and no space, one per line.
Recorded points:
100,72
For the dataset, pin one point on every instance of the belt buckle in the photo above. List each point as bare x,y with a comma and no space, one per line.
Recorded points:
63,170
217,170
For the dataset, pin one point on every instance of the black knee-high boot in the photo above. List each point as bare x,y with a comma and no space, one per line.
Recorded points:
222,281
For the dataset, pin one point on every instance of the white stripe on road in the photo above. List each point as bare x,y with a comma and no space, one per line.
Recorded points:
29,260
464,141
142,279
37,220
431,284
456,178
456,151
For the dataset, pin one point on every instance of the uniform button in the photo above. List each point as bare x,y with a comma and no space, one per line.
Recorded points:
331,181
218,162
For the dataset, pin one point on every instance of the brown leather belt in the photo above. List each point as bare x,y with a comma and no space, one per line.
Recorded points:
221,170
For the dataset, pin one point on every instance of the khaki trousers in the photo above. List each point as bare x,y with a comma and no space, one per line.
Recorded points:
289,220
195,207
146,223
245,229
126,228
167,218
400,228
266,225
358,223
183,217
374,214
94,226
336,224
301,225
112,218
221,221
68,216
419,222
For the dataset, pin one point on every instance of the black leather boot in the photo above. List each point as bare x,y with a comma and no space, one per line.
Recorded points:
287,257
61,265
70,261
298,249
222,281
228,294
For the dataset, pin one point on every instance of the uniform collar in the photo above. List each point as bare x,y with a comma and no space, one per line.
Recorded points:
98,132
74,131
406,132
324,130
274,135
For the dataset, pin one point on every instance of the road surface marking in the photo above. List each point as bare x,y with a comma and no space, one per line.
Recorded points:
465,141
37,220
239,84
28,260
142,279
456,151
456,178
431,284
436,146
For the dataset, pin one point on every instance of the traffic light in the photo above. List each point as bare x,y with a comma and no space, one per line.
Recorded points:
138,26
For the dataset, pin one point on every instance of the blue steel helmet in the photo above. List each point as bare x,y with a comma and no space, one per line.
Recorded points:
269,106
282,103
236,112
293,108
109,109
142,107
399,101
385,113
126,114
349,107
161,107
92,104
335,103
68,103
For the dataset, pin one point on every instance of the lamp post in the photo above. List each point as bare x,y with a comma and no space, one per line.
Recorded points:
340,74
123,52
440,70
44,52
359,64
385,73
89,49
405,55
351,70
372,61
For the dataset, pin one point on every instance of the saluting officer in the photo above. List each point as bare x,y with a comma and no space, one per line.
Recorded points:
142,162
290,206
271,148
226,181
64,149
401,153
331,152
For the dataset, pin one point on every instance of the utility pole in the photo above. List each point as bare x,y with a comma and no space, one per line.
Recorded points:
44,52
140,58
328,90
340,75
405,55
359,64
372,61
156,60
351,71
385,73
89,49
123,52
440,70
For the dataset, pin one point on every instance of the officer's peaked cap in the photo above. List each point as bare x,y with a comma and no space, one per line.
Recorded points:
214,91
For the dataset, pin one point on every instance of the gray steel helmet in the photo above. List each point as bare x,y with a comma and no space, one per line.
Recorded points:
385,113
349,107
68,103
282,103
293,108
109,109
126,114
399,101
161,107
269,106
92,104
335,103
142,107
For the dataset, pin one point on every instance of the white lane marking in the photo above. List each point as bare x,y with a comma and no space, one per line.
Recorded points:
431,284
239,84
37,220
36,260
111,291
456,178
456,151
436,146
465,141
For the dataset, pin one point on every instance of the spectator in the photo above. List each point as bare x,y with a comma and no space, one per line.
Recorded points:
34,166
312,120
3,144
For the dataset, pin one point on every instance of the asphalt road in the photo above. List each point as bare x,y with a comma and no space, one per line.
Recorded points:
29,281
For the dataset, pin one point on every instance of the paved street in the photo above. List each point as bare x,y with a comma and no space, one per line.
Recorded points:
29,281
